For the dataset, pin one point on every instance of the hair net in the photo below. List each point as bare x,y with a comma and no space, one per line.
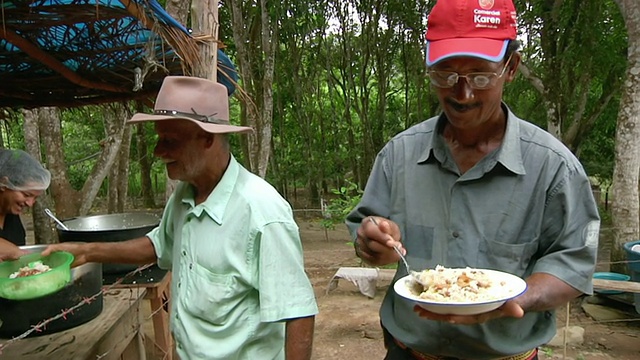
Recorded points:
20,171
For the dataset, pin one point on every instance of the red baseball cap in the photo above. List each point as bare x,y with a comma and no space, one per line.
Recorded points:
477,28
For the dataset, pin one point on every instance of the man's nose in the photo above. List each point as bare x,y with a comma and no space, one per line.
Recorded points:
462,90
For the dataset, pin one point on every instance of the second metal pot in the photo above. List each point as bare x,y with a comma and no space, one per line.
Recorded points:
107,228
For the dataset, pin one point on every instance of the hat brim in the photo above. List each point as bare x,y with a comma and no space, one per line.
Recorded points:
487,49
208,127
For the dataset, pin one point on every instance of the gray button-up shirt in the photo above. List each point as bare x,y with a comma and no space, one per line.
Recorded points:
526,207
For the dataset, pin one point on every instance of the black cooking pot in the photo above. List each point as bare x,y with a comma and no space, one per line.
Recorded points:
16,317
106,228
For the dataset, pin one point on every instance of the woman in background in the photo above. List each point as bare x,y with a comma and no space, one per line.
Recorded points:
22,180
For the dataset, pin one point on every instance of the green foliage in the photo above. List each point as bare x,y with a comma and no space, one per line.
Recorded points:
350,75
347,198
547,351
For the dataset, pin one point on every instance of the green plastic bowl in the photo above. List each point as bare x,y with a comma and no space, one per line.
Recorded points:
35,286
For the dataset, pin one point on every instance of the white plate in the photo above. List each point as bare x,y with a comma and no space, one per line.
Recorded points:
515,287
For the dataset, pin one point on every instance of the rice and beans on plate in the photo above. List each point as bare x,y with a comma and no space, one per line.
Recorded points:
458,285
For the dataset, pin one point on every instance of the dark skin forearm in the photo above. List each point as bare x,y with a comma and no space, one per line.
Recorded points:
136,251
545,292
299,338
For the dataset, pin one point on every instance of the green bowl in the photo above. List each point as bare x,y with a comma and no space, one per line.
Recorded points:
35,286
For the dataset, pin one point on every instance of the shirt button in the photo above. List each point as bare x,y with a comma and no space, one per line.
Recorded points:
184,253
455,234
191,266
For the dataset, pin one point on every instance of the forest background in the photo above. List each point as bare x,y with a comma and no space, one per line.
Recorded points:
326,84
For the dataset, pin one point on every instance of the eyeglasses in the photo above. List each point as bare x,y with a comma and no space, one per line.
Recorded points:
476,80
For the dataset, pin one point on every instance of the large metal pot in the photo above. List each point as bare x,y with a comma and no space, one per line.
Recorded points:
16,317
111,227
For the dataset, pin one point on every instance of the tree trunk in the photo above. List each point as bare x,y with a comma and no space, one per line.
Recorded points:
123,168
625,208
144,159
252,25
119,175
43,228
114,119
64,197
179,10
204,20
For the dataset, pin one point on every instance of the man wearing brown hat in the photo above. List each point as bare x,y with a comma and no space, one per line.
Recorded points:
477,187
239,290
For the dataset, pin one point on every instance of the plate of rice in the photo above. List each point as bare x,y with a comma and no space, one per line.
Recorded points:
460,291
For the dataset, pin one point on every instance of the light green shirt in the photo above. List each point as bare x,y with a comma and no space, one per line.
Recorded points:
525,208
237,268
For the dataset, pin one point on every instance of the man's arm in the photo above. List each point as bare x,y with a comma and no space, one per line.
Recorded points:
299,338
136,251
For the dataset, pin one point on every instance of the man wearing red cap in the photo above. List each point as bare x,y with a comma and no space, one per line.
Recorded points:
477,187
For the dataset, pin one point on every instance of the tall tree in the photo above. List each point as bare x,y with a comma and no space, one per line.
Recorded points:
42,228
119,172
68,201
626,205
576,73
255,35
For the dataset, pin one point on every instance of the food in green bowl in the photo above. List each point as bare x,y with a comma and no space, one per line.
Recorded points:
33,276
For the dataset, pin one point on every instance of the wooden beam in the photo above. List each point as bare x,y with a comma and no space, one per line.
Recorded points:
626,286
36,53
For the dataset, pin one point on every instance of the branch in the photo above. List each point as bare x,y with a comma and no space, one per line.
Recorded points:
534,80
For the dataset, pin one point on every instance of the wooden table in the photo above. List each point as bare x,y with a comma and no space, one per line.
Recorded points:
154,293
115,334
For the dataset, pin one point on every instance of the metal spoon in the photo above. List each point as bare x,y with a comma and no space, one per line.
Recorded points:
414,274
62,225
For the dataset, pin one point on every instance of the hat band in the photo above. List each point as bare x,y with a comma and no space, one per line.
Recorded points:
202,118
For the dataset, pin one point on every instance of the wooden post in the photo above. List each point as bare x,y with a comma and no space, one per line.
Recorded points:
204,20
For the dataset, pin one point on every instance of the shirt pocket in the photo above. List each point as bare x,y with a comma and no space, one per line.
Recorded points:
418,241
507,257
209,296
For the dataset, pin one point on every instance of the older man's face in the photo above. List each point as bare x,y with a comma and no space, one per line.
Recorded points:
181,145
465,105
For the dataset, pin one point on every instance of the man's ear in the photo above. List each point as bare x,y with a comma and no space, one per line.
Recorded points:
512,70
209,139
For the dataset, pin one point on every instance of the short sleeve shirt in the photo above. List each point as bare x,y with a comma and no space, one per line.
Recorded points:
238,269
527,207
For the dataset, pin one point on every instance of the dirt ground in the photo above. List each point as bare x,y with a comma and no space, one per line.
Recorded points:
347,326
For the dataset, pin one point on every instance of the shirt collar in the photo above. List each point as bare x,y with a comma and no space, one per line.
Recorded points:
217,201
509,154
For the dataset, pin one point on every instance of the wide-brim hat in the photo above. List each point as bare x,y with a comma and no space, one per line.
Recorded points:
475,28
201,101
